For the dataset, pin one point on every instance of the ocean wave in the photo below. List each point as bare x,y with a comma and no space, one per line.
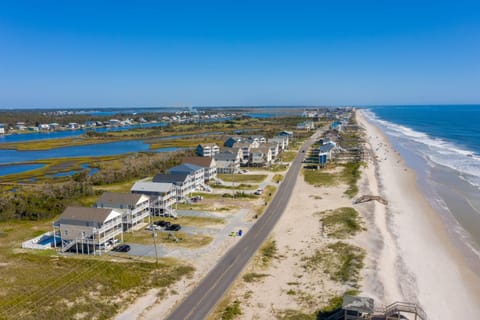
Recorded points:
435,150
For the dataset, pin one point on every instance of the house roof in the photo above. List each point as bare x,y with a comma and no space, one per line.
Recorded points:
175,178
271,144
185,167
326,147
204,162
226,156
260,149
88,214
158,187
241,144
130,199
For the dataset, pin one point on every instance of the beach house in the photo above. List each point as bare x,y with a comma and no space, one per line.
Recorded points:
183,183
228,161
133,207
197,172
162,196
258,139
325,153
2,128
208,164
274,148
281,140
232,140
306,125
89,230
260,156
207,149
285,133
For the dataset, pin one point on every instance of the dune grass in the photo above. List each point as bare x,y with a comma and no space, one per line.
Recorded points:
341,223
319,178
240,178
341,261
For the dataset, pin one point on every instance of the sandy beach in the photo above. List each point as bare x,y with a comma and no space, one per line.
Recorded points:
411,257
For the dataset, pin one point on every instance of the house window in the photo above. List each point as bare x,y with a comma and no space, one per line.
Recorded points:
65,232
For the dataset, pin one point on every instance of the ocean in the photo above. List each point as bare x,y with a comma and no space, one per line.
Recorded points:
442,145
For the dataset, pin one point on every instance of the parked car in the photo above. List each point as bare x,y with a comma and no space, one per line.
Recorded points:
153,227
258,192
122,248
161,223
173,227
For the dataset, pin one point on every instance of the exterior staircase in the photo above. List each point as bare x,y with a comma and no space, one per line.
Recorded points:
206,187
67,246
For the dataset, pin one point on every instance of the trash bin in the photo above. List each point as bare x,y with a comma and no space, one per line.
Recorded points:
240,232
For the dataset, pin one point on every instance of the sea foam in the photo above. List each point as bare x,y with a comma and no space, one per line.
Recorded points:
435,150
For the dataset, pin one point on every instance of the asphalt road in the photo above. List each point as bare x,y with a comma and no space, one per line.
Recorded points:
212,288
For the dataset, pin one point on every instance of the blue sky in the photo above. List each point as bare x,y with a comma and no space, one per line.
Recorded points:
184,53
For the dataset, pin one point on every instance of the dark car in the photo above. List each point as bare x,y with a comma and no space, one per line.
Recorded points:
122,248
173,227
161,223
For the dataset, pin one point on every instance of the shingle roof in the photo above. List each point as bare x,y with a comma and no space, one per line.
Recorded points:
86,214
203,162
158,187
175,178
185,167
130,199
225,156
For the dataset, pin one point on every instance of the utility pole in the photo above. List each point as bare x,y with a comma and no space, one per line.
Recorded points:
154,235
